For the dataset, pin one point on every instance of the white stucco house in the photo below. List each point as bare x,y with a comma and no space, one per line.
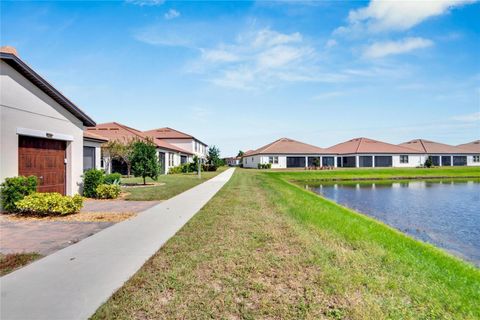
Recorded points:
444,154
41,130
180,139
288,153
169,155
364,152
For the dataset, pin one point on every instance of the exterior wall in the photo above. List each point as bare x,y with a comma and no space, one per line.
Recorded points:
23,105
470,160
98,151
189,145
282,160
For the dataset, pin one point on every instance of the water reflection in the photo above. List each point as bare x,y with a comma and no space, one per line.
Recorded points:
444,212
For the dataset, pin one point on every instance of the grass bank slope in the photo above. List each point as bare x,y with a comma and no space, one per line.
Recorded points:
265,248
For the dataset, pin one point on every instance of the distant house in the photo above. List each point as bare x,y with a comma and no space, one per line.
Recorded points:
41,130
232,161
288,153
473,147
169,155
180,139
364,152
444,154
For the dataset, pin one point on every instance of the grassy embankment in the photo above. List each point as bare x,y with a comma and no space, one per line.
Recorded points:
169,185
12,261
265,248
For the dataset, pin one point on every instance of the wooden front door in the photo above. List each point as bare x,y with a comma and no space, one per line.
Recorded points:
45,159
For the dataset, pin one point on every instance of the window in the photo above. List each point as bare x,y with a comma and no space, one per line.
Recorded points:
446,161
88,158
171,161
273,159
383,161
435,160
295,162
403,159
365,161
328,161
349,162
476,158
459,160
183,159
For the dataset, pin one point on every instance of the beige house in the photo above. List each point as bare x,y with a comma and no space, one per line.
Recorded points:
180,139
169,155
41,129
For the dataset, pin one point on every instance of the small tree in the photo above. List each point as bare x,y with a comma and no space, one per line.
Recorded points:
213,157
144,160
240,155
428,162
120,150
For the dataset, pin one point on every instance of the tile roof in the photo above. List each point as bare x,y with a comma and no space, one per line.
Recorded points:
287,146
91,135
429,147
365,145
169,133
117,131
473,146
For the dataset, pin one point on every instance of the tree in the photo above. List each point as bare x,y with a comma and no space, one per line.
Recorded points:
120,150
240,155
213,157
144,160
428,162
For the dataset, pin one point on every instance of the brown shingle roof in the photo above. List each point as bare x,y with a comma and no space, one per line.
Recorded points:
169,133
117,131
287,146
365,145
93,136
430,147
473,146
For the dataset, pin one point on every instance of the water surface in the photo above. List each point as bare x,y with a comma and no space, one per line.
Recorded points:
444,213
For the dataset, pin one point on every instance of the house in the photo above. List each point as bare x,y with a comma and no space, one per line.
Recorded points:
41,130
474,147
232,161
169,155
364,152
443,154
288,153
181,140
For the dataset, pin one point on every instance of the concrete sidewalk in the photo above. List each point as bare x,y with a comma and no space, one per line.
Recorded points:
72,283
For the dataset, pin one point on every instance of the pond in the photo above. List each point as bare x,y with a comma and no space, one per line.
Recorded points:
445,213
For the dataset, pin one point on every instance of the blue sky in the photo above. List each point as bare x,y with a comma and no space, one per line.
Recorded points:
241,74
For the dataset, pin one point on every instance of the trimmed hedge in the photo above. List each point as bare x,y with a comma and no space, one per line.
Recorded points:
264,166
15,189
50,203
112,178
108,191
91,180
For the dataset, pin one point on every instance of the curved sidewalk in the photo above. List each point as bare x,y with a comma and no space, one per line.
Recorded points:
72,283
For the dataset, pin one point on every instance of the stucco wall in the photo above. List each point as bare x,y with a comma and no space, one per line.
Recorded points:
23,105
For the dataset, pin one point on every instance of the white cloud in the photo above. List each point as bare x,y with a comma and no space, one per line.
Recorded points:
383,15
382,49
171,14
143,3
330,43
471,117
219,55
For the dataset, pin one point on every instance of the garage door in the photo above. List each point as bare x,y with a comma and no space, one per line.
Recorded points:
45,159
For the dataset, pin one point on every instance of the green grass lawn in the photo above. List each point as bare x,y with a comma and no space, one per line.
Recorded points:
264,247
172,184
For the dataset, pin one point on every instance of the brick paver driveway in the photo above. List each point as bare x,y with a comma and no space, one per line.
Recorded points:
117,206
44,237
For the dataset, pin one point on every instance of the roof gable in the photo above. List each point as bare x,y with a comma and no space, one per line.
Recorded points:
473,146
287,146
9,56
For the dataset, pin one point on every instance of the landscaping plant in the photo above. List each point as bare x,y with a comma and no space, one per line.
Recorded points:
15,189
112,178
91,180
50,203
213,159
144,160
120,150
108,191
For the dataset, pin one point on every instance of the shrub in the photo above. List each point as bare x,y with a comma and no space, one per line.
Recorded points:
174,170
112,178
428,162
108,191
209,167
15,189
91,180
50,203
264,166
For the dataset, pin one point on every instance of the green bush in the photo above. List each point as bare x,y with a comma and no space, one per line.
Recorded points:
174,170
428,163
264,166
51,203
15,189
108,191
112,178
209,167
91,180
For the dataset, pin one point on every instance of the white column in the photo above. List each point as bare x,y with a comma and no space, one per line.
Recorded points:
451,161
440,160
306,162
373,161
356,161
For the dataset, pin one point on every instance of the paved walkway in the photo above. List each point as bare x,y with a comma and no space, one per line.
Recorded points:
72,283
44,237
117,206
